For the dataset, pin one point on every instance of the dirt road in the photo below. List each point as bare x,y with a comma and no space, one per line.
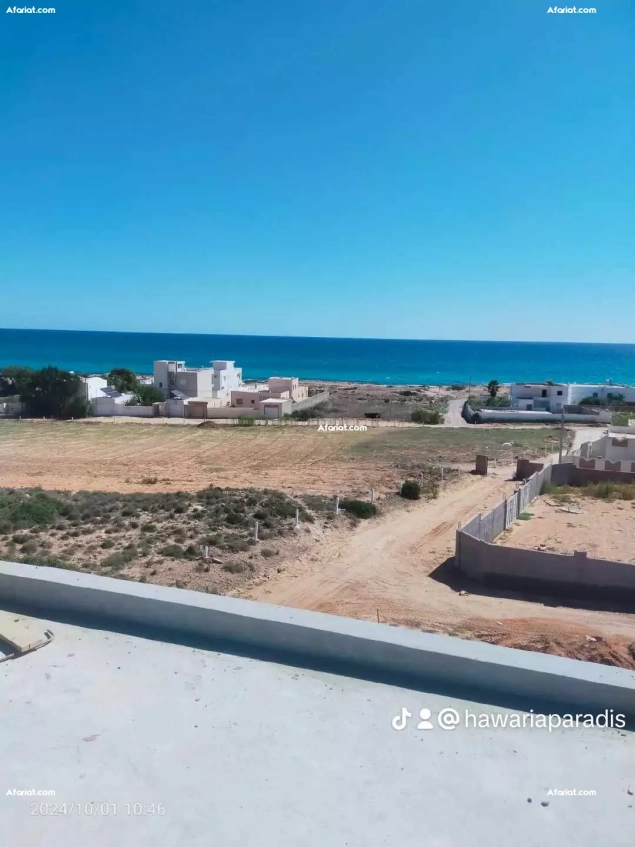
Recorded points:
384,568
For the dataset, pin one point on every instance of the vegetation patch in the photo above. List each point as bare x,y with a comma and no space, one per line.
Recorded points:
598,490
410,490
359,508
92,530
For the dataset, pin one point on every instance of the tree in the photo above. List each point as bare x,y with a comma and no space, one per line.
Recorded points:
146,395
13,379
54,393
492,387
123,380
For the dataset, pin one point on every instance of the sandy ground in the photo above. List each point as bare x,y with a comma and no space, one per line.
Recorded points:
121,457
605,530
385,570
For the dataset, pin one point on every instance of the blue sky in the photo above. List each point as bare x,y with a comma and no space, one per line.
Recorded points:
350,168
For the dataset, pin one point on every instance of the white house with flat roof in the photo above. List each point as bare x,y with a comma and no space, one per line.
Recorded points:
552,396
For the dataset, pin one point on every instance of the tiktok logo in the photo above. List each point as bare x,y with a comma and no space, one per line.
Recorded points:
399,722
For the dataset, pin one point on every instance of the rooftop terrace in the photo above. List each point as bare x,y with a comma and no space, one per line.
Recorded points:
247,750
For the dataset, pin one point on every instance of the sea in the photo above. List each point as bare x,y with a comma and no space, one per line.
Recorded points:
389,362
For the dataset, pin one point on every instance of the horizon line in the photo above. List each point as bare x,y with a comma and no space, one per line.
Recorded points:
323,337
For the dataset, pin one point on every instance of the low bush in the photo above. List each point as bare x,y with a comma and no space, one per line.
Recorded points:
107,543
238,567
432,488
427,416
306,414
173,551
410,490
24,510
119,560
360,508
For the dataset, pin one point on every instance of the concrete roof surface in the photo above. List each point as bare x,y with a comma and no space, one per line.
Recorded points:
245,752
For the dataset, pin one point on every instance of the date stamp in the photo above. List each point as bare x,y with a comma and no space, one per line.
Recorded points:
89,810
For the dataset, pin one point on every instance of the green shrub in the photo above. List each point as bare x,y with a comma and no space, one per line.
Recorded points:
24,510
427,416
245,420
306,414
107,543
172,551
119,560
432,488
267,552
410,490
238,567
360,508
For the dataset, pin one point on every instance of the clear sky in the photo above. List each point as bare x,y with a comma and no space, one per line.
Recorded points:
374,168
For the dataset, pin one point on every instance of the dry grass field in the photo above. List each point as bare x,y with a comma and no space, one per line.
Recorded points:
126,457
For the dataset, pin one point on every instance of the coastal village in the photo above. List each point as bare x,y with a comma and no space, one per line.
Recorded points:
354,520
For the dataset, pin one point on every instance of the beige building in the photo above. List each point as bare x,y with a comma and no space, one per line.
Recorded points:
279,384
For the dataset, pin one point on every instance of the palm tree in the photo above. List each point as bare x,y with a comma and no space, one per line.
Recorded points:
492,387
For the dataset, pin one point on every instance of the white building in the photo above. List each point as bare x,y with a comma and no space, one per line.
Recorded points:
552,396
614,451
216,382
227,378
92,386
103,399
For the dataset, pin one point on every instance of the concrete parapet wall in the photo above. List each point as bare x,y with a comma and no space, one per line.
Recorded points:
311,639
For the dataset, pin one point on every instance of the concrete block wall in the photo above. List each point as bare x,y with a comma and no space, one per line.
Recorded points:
574,575
311,401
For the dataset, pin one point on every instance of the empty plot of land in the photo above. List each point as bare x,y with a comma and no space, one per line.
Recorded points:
121,457
397,567
603,529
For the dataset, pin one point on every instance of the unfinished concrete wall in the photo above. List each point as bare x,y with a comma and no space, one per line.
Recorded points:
575,575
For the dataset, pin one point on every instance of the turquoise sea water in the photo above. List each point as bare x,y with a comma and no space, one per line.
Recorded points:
367,360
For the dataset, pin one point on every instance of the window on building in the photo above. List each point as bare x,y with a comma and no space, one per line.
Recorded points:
239,401
544,392
559,393
252,402
595,394
160,385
